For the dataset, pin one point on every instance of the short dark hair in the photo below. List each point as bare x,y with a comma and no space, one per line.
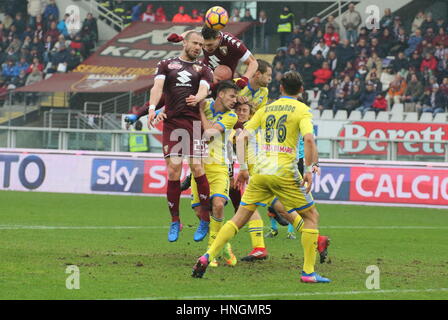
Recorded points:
209,34
138,125
225,85
292,82
263,66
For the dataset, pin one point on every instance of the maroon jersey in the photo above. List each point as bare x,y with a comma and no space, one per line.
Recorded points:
229,52
182,79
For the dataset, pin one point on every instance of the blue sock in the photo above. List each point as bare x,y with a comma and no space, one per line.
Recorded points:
274,224
290,228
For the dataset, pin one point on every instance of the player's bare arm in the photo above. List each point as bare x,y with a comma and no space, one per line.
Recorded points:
310,152
252,66
154,98
243,175
210,127
193,100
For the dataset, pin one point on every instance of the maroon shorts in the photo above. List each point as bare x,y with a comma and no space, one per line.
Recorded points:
182,137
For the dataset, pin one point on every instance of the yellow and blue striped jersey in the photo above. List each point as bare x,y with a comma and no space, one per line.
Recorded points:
279,125
258,98
217,147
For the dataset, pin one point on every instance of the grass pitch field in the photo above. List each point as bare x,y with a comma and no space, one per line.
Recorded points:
120,245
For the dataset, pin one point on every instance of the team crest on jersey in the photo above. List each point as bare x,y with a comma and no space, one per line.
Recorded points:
175,65
197,68
165,148
224,51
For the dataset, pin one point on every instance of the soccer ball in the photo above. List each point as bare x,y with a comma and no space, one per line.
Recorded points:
216,18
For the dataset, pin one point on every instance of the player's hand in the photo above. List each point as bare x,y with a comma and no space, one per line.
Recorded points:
174,37
241,180
159,118
307,181
242,82
316,169
192,100
242,100
151,117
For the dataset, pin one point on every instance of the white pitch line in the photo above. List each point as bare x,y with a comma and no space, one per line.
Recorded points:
296,294
40,227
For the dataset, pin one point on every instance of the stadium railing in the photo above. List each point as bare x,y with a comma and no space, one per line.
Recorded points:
117,141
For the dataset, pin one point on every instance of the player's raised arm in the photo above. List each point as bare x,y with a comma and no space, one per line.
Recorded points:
252,66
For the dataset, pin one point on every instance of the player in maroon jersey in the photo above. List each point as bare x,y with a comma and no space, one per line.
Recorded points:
223,48
185,82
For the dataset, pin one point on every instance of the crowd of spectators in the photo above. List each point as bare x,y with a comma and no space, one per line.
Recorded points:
37,41
368,70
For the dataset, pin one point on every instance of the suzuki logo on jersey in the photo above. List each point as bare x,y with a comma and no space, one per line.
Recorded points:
213,62
184,78
117,175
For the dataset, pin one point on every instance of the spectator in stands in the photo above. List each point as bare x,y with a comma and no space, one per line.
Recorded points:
307,75
345,86
39,33
60,57
428,23
15,45
316,26
412,94
274,86
413,42
418,20
8,70
297,45
353,99
35,8
296,33
387,20
441,39
51,9
400,44
52,32
19,23
62,26
444,87
61,42
195,17
35,76
397,89
136,12
91,23
333,61
349,70
247,16
380,103
22,65
415,61
375,62
73,60
340,103
279,56
429,63
433,101
87,40
291,58
362,47
322,47
367,99
375,47
48,46
18,82
374,77
35,65
285,25
181,16
442,66
331,37
149,15
235,17
331,22
307,39
266,27
351,20
160,15
317,60
400,63
3,92
279,67
326,99
345,52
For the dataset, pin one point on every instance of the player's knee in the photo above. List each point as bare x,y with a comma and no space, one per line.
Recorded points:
218,205
197,170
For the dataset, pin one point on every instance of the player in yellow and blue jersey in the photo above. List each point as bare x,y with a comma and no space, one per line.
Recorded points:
276,174
218,120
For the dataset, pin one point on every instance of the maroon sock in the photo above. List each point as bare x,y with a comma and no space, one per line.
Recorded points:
173,198
235,196
204,196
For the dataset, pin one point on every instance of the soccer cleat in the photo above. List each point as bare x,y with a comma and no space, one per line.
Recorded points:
201,231
313,278
186,184
230,258
200,267
213,263
322,247
271,234
256,254
175,228
277,216
291,236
